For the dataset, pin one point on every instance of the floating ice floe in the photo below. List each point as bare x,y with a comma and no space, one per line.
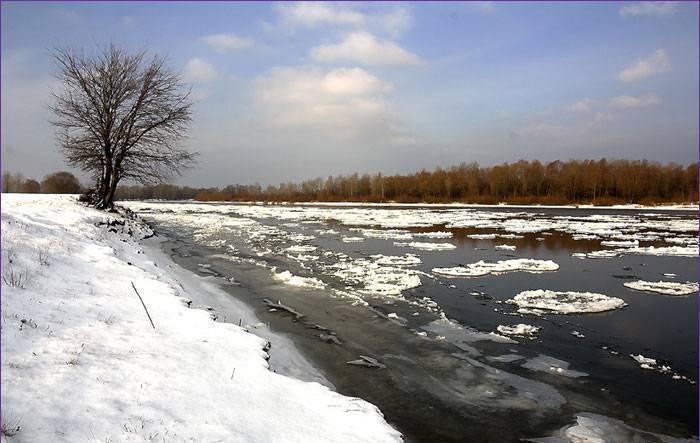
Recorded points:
481,268
397,260
664,287
369,277
682,240
644,362
300,237
620,243
567,302
482,236
652,364
577,334
288,278
386,234
353,239
504,248
584,237
605,253
520,329
551,365
462,336
511,236
427,246
434,234
301,248
594,428
678,251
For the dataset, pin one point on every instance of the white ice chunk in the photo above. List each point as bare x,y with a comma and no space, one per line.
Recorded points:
664,287
482,236
397,260
434,234
353,239
620,243
520,329
483,268
568,302
427,246
678,251
504,247
301,248
288,278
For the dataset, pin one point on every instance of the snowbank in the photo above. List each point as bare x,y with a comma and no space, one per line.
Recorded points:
80,359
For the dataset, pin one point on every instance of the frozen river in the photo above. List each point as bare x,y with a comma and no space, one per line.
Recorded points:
488,324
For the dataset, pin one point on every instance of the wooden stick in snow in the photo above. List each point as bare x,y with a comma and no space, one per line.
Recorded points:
143,304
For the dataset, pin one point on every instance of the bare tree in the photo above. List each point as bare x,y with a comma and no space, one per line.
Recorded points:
120,116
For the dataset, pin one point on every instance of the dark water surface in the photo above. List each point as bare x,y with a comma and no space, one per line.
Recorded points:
436,387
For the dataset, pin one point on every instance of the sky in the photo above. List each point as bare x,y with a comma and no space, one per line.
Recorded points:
290,91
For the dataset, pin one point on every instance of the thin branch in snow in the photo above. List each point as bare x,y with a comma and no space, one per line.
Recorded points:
143,304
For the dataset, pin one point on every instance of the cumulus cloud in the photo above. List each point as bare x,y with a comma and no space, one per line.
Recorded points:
311,14
346,103
644,67
317,14
364,48
649,9
629,101
199,70
224,43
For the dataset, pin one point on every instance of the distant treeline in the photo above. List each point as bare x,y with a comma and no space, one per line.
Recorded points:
61,182
526,182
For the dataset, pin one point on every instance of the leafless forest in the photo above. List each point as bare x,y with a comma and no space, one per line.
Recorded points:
589,181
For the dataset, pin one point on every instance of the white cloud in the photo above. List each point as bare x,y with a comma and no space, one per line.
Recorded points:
655,63
484,7
317,14
395,22
629,101
649,9
582,105
311,14
566,131
227,42
347,103
364,48
199,70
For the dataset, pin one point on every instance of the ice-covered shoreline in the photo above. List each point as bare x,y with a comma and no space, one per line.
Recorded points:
636,207
76,339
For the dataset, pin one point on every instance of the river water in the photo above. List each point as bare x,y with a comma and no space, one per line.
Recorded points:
429,294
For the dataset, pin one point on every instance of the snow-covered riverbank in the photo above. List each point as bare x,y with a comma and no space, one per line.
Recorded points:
82,362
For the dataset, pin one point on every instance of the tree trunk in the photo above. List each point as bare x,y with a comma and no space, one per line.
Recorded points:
111,189
104,186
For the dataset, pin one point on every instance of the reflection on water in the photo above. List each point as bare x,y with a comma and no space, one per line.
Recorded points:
399,326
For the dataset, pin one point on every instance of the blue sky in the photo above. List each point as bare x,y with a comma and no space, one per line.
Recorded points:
286,91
